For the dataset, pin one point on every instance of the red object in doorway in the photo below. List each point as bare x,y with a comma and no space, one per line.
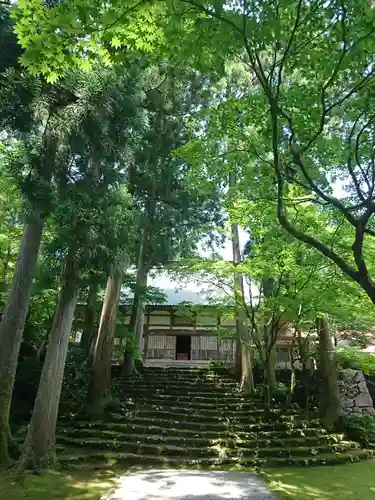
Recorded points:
182,356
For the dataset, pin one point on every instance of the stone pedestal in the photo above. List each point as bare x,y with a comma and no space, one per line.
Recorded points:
354,394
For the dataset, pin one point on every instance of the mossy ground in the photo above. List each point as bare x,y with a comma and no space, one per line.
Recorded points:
343,482
84,485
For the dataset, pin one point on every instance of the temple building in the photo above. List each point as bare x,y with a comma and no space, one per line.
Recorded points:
173,338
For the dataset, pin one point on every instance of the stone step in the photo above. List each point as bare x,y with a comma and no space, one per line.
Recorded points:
254,434
185,371
249,412
213,451
252,442
178,374
214,426
227,398
178,391
166,380
76,458
190,417
177,378
223,418
221,405
184,386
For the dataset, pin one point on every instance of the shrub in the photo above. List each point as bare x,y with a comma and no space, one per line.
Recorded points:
25,389
73,392
306,393
216,363
278,392
76,378
351,357
360,428
114,405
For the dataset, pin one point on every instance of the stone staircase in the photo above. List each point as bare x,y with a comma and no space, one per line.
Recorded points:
193,417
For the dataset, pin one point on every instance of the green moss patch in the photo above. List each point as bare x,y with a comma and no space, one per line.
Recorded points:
347,482
76,486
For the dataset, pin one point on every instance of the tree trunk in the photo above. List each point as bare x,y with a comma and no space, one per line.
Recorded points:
247,380
89,329
140,324
269,373
243,349
128,365
271,365
13,322
304,354
330,400
6,265
100,383
39,447
270,356
136,318
145,346
238,353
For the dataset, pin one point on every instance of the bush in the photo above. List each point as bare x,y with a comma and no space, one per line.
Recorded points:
306,393
25,389
216,363
278,392
360,428
76,379
73,392
350,357
114,405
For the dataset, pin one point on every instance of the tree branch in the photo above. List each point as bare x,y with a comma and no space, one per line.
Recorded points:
283,219
349,162
326,197
288,47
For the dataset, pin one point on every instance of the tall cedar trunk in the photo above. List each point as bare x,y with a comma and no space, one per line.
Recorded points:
243,362
140,324
100,383
39,447
136,318
89,325
128,366
13,322
145,345
136,321
330,400
238,353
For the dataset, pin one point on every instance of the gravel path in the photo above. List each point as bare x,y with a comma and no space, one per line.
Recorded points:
190,485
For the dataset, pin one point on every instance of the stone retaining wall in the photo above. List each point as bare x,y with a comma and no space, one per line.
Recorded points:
354,394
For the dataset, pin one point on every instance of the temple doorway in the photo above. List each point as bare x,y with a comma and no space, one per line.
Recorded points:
183,347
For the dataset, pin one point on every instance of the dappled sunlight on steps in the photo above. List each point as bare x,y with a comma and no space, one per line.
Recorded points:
192,417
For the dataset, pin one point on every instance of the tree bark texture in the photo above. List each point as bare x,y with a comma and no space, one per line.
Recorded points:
13,322
330,400
238,353
145,345
243,361
100,383
89,326
137,314
39,447
271,364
